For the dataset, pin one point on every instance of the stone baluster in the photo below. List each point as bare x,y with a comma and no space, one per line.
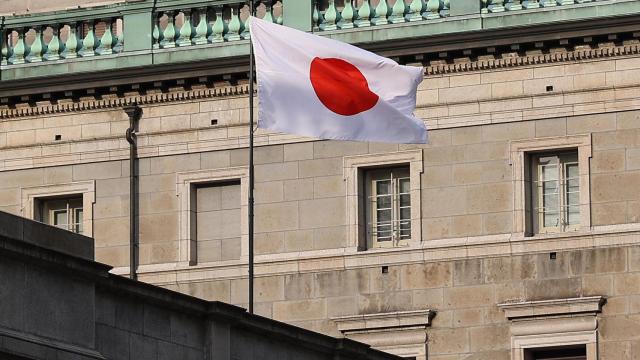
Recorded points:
548,3
315,17
415,10
433,10
233,27
169,33
583,1
217,28
6,47
52,51
364,14
156,33
514,5
107,39
184,34
202,29
89,41
268,14
119,39
532,4
330,16
484,6
565,2
70,50
34,52
18,49
380,14
346,21
280,19
397,12
446,8
496,6
244,32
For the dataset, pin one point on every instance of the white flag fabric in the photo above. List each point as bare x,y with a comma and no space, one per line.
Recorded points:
314,86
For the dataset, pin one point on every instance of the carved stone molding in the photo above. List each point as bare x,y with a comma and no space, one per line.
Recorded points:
401,333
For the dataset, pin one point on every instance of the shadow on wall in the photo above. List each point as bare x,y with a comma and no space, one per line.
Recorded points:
35,6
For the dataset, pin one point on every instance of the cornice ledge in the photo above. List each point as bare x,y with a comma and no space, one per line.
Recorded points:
555,307
533,59
389,320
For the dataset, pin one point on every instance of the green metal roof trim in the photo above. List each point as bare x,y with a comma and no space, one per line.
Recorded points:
145,44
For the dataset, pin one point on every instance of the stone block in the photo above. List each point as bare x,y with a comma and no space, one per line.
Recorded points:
626,139
467,225
334,237
172,109
509,268
548,268
464,79
269,243
101,170
428,299
143,347
230,249
112,343
591,123
633,159
552,289
298,240
329,186
215,159
299,189
439,202
467,272
464,109
597,285
21,138
507,75
633,211
174,163
608,161
609,213
551,127
58,175
276,217
440,341
320,167
615,187
93,131
239,157
300,310
437,176
494,197
497,223
239,291
618,328
487,151
589,81
508,131
300,286
628,120
427,275
276,171
434,82
111,232
322,212
298,151
466,135
589,67
158,202
329,149
158,227
159,253
106,188
613,350
507,89
268,154
443,155
598,261
341,283
426,97
269,192
487,338
469,296
559,84
113,255
464,93
207,290
436,228
341,306
384,302
626,284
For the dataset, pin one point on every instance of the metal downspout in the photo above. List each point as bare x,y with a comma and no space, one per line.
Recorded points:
134,112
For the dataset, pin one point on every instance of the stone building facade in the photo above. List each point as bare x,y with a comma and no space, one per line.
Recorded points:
513,234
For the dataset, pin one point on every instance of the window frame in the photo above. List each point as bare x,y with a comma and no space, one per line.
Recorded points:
521,152
31,196
186,184
372,176
354,170
72,204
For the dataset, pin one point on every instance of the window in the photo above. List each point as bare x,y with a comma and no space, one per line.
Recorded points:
551,185
559,353
556,191
383,199
213,215
68,206
65,213
388,207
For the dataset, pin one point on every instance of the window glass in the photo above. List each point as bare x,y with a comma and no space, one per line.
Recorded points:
388,207
65,213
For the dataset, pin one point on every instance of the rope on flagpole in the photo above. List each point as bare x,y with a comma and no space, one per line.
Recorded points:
251,172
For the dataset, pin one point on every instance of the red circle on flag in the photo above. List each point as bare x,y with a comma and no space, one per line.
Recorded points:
341,87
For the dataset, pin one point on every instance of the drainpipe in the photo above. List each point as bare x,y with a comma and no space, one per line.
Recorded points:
134,112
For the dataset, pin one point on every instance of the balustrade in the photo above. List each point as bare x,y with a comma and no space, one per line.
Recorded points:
496,6
346,14
50,42
209,24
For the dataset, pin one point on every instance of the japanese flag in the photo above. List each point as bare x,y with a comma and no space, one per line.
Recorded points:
314,86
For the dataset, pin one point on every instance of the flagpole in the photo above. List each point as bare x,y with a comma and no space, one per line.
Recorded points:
251,173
